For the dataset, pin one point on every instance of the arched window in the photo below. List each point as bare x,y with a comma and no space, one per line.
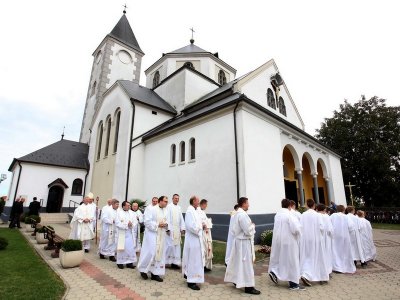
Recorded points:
221,77
77,187
271,99
188,64
117,119
182,151
173,154
192,145
99,140
281,106
93,88
108,136
156,79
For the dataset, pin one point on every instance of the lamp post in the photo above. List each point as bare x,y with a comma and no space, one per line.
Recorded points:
3,177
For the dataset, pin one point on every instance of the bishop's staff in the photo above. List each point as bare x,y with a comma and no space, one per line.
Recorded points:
97,210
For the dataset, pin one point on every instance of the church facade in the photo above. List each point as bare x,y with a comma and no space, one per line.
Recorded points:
194,129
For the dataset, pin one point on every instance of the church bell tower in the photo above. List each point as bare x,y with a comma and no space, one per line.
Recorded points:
118,57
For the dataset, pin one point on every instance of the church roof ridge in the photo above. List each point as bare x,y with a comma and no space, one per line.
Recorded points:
63,153
191,48
123,32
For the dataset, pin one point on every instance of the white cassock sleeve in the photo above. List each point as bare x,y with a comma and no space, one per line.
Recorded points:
121,224
106,217
149,221
246,225
191,223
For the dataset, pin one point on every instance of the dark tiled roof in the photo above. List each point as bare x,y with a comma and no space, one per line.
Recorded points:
191,48
63,153
123,33
145,96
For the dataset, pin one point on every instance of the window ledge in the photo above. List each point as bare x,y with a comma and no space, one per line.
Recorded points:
192,161
181,163
172,165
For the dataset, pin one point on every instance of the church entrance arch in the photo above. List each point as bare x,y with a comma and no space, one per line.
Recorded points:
308,170
55,199
289,175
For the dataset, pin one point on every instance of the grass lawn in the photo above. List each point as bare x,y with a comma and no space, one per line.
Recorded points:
23,273
385,226
219,249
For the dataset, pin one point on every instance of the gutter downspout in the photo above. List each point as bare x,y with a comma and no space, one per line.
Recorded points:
84,187
236,150
130,149
19,176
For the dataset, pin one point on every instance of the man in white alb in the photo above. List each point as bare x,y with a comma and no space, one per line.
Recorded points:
207,238
342,257
108,241
127,226
176,228
229,240
355,238
240,267
152,255
139,217
284,262
82,224
193,253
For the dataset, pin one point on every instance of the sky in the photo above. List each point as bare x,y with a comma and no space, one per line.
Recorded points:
326,51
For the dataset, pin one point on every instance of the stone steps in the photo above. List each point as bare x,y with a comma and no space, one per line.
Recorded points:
54,218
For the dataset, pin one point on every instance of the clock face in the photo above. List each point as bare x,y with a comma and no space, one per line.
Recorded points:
124,57
98,57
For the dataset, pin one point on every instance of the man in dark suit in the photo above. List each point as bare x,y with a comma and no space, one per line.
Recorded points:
16,212
34,207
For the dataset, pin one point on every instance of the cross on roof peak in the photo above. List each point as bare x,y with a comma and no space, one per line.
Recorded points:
125,7
192,30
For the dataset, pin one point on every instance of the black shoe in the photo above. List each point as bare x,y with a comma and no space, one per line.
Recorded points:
225,265
102,256
207,270
156,278
193,286
120,266
251,290
144,275
305,281
273,277
86,250
323,282
112,258
363,265
130,266
355,263
174,266
184,276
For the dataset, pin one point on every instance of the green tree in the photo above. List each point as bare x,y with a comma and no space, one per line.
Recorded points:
367,136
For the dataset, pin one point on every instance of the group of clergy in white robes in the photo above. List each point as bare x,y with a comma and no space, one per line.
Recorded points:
239,269
313,245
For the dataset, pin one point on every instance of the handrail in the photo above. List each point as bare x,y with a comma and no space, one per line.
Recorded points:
74,202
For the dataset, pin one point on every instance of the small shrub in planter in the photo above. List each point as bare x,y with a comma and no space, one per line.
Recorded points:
3,243
29,221
71,245
265,249
71,254
22,217
266,238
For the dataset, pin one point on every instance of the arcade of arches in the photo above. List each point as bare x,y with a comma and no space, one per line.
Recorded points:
303,175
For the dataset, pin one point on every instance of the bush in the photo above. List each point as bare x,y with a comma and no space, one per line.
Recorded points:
22,217
3,243
266,238
71,245
29,221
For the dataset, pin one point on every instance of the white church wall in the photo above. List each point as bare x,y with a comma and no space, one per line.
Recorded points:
196,87
256,89
336,180
137,170
11,190
210,176
35,179
146,120
263,163
173,91
123,62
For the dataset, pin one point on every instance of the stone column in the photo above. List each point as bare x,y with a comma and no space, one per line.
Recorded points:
328,190
315,182
300,181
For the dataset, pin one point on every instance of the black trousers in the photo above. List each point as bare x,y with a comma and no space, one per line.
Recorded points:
15,221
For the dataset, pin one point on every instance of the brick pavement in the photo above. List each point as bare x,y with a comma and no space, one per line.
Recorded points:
101,279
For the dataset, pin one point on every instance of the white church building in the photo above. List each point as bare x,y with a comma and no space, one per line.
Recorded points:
193,129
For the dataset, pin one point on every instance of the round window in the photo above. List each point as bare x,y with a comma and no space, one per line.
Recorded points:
124,57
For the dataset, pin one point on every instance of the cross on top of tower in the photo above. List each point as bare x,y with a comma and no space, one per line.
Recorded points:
125,7
192,30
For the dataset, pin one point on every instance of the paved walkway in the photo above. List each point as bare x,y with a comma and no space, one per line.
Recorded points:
101,279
